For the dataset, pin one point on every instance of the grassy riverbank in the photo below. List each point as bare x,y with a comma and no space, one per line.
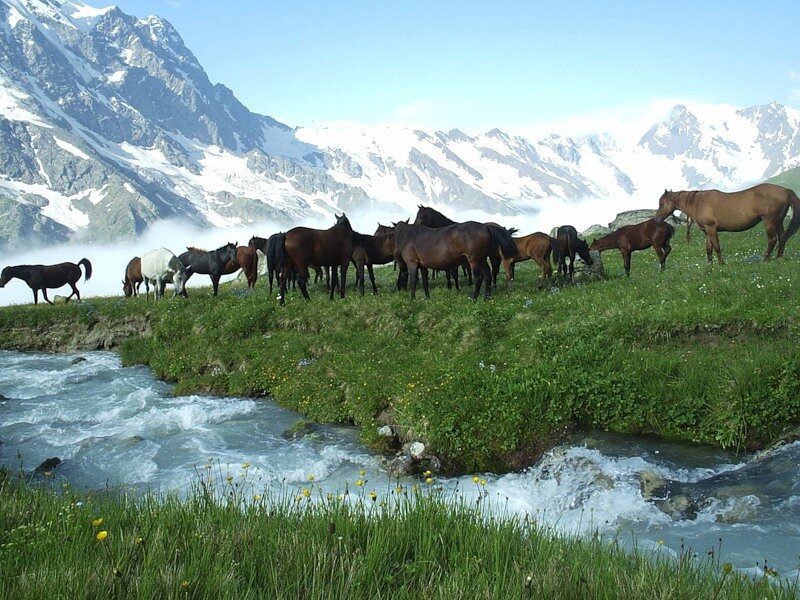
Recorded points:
701,353
227,541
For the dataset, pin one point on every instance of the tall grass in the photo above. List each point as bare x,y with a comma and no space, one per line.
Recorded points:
227,541
700,353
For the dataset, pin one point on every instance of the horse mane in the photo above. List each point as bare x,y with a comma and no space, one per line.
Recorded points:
195,249
404,233
439,217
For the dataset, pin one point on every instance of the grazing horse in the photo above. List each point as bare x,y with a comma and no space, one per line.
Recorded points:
209,263
302,247
536,246
568,244
638,237
133,277
431,217
41,277
421,247
715,211
159,267
246,260
371,250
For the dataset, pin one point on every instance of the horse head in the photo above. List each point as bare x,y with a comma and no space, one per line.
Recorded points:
5,277
582,249
127,288
229,252
667,204
342,221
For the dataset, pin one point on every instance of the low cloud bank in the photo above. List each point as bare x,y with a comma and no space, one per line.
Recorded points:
109,260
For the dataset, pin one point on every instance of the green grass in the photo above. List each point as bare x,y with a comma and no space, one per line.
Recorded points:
700,353
227,541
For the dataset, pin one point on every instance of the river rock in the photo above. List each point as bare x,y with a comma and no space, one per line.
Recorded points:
416,450
386,431
302,429
77,360
47,466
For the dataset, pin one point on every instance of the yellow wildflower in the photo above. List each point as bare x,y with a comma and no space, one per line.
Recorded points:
373,495
360,482
429,480
185,584
101,535
306,493
311,477
97,522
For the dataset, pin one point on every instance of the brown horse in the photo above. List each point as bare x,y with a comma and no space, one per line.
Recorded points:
715,211
420,247
301,247
638,237
536,246
568,244
133,277
41,277
371,250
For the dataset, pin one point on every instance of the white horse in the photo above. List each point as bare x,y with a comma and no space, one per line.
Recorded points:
160,267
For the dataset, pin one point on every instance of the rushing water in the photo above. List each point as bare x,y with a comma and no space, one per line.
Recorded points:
112,425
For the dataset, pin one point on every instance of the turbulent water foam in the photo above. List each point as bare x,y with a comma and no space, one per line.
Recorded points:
119,426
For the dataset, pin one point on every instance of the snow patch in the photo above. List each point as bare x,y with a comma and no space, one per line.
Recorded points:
71,149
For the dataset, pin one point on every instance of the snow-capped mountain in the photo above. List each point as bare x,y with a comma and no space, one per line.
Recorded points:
108,123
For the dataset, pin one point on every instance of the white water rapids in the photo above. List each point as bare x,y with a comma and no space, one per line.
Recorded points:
120,426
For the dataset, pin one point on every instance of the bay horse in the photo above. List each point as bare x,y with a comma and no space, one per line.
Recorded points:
421,247
209,263
568,244
369,250
716,211
133,277
159,267
246,260
537,246
638,237
302,247
268,247
42,277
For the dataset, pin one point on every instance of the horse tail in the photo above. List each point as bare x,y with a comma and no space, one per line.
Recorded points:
276,256
88,266
555,247
794,224
502,240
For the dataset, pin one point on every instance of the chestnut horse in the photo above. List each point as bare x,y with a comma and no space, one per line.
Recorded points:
567,245
536,246
715,211
41,277
638,237
133,277
302,247
420,247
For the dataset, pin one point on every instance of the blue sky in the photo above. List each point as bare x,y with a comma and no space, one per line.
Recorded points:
479,65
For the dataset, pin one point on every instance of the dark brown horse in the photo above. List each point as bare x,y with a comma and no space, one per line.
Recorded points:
638,237
302,247
716,211
246,260
537,246
568,244
268,247
420,247
133,277
369,250
41,277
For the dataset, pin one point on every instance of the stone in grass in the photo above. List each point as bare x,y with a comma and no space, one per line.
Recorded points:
47,466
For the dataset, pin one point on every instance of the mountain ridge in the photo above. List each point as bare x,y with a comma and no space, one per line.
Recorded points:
108,123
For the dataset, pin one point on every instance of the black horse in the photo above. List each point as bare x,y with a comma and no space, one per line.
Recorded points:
567,245
208,263
41,277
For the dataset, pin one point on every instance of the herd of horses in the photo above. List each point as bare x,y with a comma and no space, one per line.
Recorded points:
434,243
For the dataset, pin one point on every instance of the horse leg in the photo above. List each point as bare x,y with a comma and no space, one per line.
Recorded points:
494,261
626,260
334,281
571,266
478,279
372,279
425,287
662,257
75,292
712,233
772,238
779,231
215,283
344,266
412,276
448,275
360,267
35,295
282,276
302,281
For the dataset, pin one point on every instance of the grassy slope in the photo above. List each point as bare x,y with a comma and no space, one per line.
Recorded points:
790,179
700,353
